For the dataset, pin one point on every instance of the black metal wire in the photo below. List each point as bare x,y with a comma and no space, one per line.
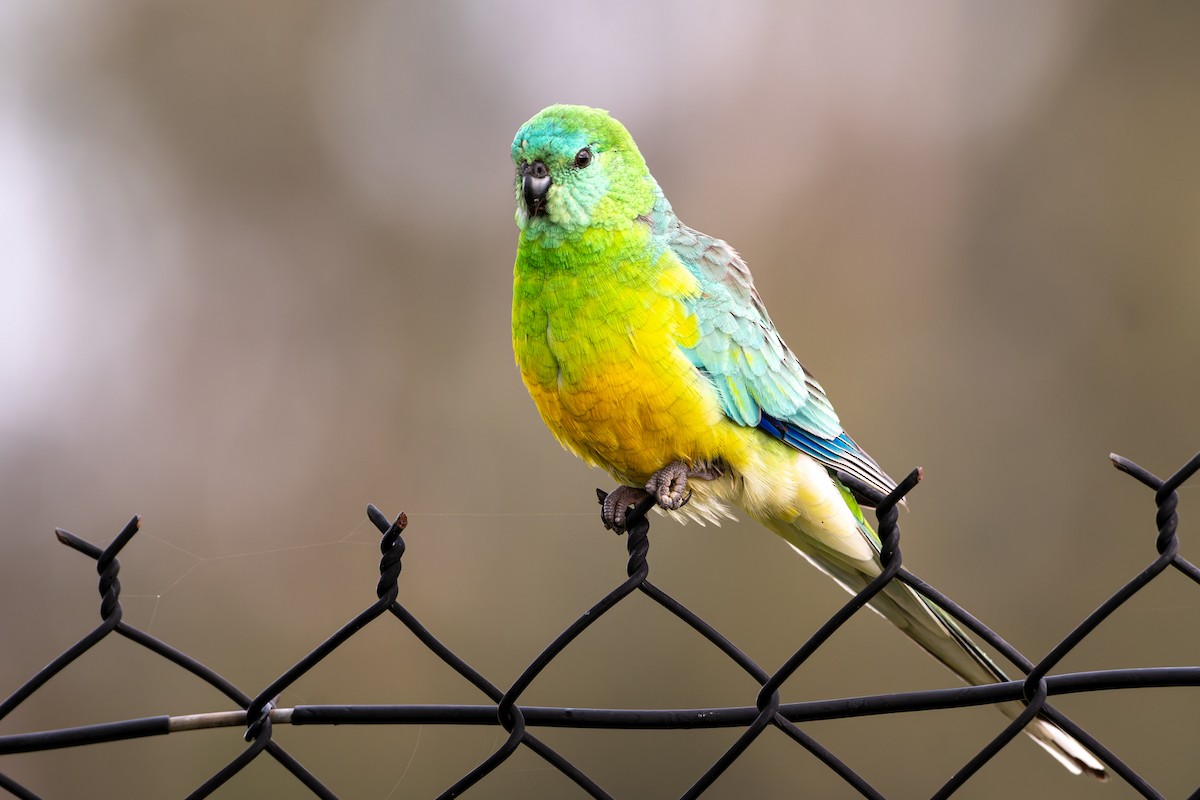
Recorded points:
258,714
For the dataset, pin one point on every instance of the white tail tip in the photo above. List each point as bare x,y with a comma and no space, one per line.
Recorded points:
1066,749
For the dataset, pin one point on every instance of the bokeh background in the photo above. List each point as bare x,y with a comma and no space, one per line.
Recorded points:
255,262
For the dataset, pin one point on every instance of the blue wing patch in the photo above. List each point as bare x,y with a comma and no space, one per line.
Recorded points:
840,454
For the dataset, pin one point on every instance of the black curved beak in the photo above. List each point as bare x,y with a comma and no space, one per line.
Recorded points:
535,185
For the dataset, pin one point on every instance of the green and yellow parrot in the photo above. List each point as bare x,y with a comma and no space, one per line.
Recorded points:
649,353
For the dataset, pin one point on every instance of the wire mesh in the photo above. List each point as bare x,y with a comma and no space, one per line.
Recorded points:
259,713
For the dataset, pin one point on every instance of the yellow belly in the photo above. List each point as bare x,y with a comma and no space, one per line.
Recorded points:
624,419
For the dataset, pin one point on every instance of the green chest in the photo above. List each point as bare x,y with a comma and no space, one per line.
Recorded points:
566,326
579,309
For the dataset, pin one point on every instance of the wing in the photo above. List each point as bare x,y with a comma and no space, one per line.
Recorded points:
760,382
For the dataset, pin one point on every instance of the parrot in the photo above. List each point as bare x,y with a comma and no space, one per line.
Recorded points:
649,353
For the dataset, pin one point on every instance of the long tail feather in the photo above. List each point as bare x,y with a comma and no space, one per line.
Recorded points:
938,634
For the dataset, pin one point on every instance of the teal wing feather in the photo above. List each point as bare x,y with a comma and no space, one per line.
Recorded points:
760,382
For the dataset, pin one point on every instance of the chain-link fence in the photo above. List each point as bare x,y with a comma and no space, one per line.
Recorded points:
260,714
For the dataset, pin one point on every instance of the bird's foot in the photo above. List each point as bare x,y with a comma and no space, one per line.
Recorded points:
614,504
669,486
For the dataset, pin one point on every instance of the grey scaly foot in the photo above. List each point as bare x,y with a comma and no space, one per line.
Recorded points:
668,485
614,505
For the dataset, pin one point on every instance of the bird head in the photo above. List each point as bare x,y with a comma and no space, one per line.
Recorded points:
577,168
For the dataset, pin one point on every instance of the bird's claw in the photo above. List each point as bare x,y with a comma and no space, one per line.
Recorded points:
614,505
669,487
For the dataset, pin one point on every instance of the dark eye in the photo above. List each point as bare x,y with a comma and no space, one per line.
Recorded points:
583,158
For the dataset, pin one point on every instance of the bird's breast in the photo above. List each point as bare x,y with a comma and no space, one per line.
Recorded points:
599,348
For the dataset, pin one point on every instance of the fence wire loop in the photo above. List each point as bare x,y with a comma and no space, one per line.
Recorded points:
259,714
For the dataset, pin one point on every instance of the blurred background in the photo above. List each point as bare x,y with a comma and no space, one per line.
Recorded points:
255,270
